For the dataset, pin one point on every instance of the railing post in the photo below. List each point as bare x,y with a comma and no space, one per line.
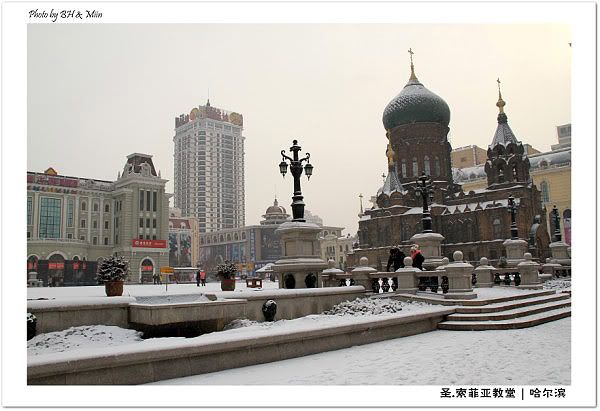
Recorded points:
407,277
459,278
529,273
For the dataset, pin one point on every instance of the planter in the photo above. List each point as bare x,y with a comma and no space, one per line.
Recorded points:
228,284
114,288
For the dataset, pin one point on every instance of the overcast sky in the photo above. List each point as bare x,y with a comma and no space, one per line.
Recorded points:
97,93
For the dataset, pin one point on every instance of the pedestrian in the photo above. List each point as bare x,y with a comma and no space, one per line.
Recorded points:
396,259
198,278
203,278
417,257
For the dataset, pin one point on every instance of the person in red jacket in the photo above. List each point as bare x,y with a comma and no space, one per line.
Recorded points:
203,277
417,257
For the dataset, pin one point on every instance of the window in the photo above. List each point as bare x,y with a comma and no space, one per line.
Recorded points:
437,166
141,200
545,189
29,210
94,224
28,234
154,199
82,224
95,240
141,223
497,228
83,206
106,208
82,237
415,167
147,200
154,223
106,225
69,235
403,167
154,236
427,166
147,223
96,207
105,240
70,212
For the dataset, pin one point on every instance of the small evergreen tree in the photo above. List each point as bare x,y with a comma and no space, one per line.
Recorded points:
113,269
226,270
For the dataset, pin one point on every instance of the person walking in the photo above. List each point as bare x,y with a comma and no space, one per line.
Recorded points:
198,278
417,257
203,278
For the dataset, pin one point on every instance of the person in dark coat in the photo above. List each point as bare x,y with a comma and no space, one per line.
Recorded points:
396,259
198,278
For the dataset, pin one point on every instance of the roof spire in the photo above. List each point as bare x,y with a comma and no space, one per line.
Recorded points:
208,99
500,104
361,205
412,66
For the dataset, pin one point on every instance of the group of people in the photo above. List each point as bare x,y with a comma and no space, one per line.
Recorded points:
396,259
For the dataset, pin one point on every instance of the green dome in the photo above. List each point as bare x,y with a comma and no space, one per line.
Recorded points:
415,104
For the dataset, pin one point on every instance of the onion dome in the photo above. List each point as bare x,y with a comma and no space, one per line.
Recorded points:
415,104
504,135
275,209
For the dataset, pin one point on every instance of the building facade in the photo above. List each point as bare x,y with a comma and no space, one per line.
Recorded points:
74,222
550,172
183,240
475,222
337,248
252,247
209,167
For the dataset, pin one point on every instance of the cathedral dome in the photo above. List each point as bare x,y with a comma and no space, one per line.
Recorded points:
275,209
415,104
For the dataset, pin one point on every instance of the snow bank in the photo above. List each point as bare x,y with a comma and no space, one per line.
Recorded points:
562,284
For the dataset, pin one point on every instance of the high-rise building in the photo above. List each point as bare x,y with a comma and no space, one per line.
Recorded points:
209,167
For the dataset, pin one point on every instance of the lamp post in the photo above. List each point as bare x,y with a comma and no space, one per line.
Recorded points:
556,220
512,208
425,190
296,169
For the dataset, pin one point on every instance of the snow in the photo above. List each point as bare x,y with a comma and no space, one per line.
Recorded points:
485,293
89,337
562,284
237,330
513,357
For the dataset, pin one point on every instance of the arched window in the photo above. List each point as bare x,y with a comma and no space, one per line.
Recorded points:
221,238
437,166
545,189
106,208
500,174
514,173
427,166
415,167
236,237
83,206
497,228
243,236
95,207
403,167
228,237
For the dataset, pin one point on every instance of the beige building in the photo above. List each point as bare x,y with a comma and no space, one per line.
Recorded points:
337,248
73,223
468,156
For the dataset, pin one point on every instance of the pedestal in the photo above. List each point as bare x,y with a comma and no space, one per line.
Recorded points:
484,274
560,252
301,264
431,248
459,278
528,270
515,249
361,276
331,276
407,278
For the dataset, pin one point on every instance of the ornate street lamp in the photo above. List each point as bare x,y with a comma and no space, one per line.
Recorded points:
425,190
296,170
512,208
556,220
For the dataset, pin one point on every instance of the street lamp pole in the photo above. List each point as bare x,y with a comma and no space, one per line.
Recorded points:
556,219
425,190
512,208
296,170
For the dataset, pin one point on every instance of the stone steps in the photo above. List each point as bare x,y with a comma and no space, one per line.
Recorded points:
521,322
439,299
494,306
507,314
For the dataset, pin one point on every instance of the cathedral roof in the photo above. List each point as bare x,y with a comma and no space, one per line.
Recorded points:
391,184
504,135
275,209
415,104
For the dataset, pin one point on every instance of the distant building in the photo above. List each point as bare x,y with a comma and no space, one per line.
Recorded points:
564,137
252,247
75,222
183,240
209,167
337,248
468,156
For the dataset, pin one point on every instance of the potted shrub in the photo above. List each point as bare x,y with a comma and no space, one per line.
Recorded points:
112,272
226,272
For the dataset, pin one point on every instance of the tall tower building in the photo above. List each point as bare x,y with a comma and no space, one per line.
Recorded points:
209,167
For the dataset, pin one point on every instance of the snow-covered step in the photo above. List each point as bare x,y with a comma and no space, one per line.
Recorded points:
522,322
439,299
513,304
512,313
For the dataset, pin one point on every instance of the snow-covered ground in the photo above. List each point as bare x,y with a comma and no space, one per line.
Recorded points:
138,290
559,284
516,357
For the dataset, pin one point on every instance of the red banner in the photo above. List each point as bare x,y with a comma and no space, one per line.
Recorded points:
56,266
75,266
149,243
147,268
30,266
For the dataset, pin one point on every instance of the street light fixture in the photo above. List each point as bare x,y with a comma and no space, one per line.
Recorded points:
512,208
424,189
296,170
